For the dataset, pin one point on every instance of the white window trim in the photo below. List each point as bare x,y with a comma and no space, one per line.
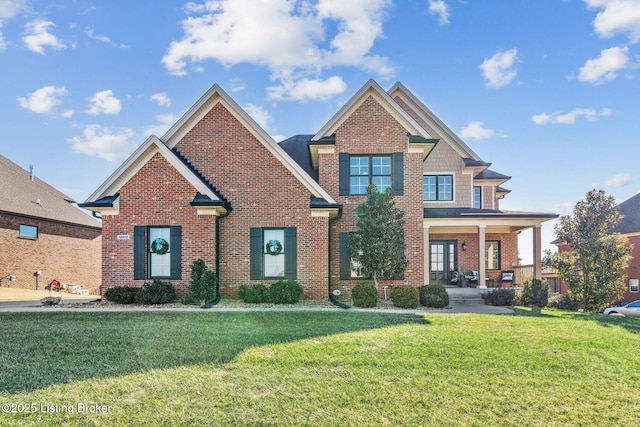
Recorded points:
637,286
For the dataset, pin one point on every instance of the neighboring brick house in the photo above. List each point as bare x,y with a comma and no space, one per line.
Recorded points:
42,231
217,187
629,227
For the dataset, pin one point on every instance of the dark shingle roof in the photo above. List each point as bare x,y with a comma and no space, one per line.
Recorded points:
480,213
20,195
489,174
630,210
296,147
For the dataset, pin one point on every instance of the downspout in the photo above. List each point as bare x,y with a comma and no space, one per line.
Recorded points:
216,300
331,298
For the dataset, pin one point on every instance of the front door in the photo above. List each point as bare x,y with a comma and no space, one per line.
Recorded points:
443,260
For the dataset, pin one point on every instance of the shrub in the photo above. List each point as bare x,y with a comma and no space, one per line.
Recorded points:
535,292
365,295
203,282
565,302
158,292
501,297
121,294
435,296
405,296
285,292
188,300
253,293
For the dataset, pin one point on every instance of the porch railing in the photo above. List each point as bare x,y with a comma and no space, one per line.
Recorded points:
523,273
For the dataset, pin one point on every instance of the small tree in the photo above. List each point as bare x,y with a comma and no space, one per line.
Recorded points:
593,269
203,282
378,245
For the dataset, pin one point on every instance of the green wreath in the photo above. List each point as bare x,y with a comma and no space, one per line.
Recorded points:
273,247
159,246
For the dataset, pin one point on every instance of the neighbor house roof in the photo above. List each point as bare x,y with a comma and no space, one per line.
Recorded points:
630,211
35,198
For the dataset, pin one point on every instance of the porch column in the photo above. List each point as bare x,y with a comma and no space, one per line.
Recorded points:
537,252
425,255
482,262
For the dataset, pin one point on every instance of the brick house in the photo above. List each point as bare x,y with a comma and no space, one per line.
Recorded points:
217,187
42,231
629,227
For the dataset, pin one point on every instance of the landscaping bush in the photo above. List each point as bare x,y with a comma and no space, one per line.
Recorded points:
253,293
500,297
535,292
121,294
285,292
364,295
203,282
565,302
435,296
158,292
405,296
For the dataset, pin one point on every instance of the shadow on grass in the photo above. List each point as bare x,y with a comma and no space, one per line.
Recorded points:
628,323
43,349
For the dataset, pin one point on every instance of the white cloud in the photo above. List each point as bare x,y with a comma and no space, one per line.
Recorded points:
307,89
570,117
499,70
10,8
100,37
104,103
605,67
164,123
3,43
618,180
440,8
617,17
102,142
38,36
43,100
259,114
294,40
476,130
161,98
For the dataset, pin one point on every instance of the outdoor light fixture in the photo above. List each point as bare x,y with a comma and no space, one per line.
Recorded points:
464,246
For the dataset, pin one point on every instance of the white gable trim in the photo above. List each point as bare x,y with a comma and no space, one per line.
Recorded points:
371,88
141,157
216,95
428,116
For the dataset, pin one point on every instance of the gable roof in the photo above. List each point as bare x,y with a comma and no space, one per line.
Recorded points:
424,113
372,88
630,211
22,196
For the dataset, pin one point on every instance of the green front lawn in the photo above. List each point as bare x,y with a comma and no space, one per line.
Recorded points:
318,368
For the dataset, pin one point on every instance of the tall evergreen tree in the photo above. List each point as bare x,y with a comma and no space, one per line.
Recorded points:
593,271
378,245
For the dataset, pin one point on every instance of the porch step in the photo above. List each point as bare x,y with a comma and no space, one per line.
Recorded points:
459,296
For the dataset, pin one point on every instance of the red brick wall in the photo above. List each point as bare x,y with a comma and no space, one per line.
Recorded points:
68,253
372,130
262,192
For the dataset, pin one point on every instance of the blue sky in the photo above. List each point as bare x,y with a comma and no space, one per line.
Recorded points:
547,91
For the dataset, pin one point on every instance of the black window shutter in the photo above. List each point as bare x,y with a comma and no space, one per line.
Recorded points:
255,253
175,233
343,171
290,253
139,252
397,180
345,257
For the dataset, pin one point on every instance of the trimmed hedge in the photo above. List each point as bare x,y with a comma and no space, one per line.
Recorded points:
535,292
158,292
253,294
435,296
501,297
285,292
121,294
364,295
565,302
405,296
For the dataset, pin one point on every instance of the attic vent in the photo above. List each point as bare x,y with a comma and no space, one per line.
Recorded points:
32,174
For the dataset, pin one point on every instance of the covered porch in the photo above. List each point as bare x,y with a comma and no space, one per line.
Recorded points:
479,240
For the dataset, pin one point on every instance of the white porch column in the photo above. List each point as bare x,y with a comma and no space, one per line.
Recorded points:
537,252
425,255
482,262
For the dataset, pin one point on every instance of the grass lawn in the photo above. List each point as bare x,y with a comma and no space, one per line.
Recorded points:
318,368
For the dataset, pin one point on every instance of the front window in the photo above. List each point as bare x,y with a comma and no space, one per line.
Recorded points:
437,187
477,197
492,254
365,170
159,252
273,252
28,231
633,285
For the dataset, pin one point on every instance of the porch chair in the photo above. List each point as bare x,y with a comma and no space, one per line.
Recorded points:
507,276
